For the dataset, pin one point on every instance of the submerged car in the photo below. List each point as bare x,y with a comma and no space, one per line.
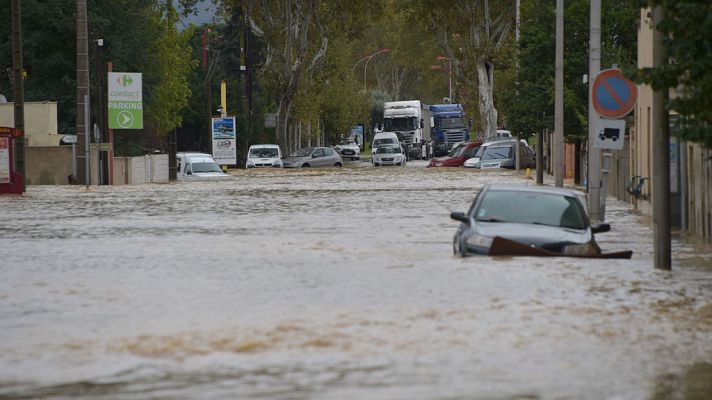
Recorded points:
389,155
528,220
313,157
264,155
197,166
348,149
500,154
457,156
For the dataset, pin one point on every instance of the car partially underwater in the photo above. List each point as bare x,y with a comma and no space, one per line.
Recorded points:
528,220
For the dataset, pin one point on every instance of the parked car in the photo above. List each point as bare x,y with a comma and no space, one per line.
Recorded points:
541,218
500,154
264,155
197,166
457,156
313,157
392,154
348,149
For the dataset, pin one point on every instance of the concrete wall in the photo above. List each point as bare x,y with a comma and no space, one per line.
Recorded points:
40,122
50,165
139,170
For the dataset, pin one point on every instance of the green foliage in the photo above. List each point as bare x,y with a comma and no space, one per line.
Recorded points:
687,27
529,104
166,87
139,36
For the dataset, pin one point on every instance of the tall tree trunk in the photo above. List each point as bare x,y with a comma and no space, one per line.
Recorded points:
488,113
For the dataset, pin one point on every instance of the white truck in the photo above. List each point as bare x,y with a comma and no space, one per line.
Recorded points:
410,121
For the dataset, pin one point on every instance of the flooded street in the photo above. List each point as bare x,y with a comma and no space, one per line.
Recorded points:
332,284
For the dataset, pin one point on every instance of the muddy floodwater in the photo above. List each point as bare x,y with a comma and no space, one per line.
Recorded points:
332,284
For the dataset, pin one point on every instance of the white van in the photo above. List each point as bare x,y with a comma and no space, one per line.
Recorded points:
383,139
197,166
264,155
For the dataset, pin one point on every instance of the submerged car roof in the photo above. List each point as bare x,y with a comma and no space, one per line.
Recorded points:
532,188
264,146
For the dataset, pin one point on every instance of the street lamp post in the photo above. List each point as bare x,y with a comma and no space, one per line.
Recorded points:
449,74
367,59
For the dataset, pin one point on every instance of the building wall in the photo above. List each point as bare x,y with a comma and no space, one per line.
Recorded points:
640,137
48,165
40,122
691,179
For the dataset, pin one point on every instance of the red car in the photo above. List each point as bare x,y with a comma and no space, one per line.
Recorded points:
460,153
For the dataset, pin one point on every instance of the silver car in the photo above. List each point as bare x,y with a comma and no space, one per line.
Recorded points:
528,220
313,157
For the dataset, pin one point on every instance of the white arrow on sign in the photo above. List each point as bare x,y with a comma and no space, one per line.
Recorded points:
125,119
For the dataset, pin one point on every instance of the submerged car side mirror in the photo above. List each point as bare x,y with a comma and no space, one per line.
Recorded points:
460,216
600,228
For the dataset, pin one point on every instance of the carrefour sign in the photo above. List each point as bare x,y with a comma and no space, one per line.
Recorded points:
125,100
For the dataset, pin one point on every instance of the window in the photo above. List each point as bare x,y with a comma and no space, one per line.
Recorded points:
318,153
531,208
328,152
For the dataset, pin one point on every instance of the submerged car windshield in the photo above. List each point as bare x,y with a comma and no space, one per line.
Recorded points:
205,167
531,208
264,153
457,150
388,150
305,152
497,153
380,142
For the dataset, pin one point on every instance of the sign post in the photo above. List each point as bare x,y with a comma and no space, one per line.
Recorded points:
125,101
613,96
11,181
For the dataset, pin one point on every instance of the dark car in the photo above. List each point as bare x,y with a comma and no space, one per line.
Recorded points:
457,156
552,220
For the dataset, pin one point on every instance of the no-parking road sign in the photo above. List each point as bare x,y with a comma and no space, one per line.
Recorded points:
613,95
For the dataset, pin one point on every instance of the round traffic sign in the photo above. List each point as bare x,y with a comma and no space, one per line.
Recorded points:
613,95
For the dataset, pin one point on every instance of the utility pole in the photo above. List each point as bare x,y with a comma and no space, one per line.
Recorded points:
594,154
82,89
19,89
559,97
661,155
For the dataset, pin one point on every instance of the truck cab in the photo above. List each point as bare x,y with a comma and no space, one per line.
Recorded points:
450,126
410,122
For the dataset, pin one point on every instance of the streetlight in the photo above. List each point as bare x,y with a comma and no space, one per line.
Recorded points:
367,58
449,73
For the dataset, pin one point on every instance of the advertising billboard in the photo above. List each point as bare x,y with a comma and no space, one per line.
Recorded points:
224,140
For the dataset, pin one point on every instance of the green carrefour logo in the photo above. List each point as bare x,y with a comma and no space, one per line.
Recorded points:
125,80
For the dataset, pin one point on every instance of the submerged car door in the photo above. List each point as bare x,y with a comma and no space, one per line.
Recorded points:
317,158
330,157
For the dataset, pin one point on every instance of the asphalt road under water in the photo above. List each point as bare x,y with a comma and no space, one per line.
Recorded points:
331,284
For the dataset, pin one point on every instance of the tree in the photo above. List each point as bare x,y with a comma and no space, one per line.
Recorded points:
687,26
474,35
528,98
147,42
